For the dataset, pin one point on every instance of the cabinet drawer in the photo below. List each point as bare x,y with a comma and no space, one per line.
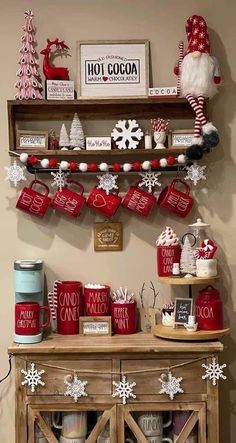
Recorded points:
53,377
147,383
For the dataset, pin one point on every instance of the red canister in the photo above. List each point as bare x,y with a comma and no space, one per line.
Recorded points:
68,299
209,309
97,301
124,317
166,257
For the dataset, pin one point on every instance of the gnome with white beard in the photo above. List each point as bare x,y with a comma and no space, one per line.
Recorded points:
198,77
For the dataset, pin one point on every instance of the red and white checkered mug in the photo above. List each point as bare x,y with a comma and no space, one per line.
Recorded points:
32,201
69,202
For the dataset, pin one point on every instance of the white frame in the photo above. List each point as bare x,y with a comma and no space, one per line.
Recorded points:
108,89
31,135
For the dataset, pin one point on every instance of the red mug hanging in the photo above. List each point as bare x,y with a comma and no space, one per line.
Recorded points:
138,201
69,304
102,202
174,200
27,318
32,201
69,202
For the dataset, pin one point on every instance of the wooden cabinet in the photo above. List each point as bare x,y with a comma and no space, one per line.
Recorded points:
101,361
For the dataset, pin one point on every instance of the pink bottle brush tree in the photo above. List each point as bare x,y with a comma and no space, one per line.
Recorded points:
29,84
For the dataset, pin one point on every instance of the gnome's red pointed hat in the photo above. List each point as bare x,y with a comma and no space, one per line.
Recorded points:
197,34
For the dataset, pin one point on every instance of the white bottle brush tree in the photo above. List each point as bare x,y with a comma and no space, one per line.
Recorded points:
64,141
28,85
187,259
76,133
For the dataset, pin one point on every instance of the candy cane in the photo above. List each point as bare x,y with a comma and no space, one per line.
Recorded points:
181,56
50,298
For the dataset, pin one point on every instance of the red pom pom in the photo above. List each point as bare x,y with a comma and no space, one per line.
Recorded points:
136,166
171,160
73,166
116,167
155,164
92,167
176,70
33,160
53,163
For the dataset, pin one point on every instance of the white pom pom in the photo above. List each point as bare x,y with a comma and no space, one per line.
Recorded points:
163,162
64,165
146,165
83,167
23,157
44,163
103,167
77,149
181,158
127,167
64,149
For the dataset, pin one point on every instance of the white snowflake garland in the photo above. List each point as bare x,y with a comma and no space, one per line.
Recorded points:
150,180
171,385
60,179
195,173
214,371
107,182
32,377
75,387
123,389
15,173
127,134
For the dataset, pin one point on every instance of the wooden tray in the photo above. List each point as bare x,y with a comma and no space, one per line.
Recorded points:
188,281
180,333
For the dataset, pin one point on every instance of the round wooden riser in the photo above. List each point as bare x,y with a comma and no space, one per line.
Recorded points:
180,333
188,281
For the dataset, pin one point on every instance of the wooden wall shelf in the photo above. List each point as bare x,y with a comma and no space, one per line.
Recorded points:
132,153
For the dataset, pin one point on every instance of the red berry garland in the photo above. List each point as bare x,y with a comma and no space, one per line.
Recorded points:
155,164
92,167
73,166
53,163
171,160
116,167
32,160
136,166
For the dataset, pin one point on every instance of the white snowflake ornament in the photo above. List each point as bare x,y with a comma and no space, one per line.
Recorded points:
195,173
15,173
32,377
75,387
214,371
127,134
123,389
107,182
150,180
60,179
171,385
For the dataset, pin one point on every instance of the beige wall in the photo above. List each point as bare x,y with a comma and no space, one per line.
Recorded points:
67,247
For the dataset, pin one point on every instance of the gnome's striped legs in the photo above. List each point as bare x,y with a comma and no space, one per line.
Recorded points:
197,104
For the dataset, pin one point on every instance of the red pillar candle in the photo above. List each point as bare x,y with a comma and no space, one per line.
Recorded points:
97,300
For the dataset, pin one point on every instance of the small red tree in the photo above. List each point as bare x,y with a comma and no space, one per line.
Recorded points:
29,83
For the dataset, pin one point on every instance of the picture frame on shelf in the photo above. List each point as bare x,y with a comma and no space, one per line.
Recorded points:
31,139
95,326
108,236
113,68
180,138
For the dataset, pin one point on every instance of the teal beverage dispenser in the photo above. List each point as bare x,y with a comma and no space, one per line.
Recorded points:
28,276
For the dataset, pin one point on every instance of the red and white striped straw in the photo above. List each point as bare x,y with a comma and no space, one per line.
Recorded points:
51,305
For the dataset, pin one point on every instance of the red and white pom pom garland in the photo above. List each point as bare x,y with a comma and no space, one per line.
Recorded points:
146,165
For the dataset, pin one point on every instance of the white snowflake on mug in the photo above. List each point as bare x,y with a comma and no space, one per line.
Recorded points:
195,173
150,180
124,389
75,387
15,173
214,371
127,134
32,377
107,182
171,385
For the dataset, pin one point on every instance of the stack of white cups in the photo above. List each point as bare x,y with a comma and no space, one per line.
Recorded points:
151,424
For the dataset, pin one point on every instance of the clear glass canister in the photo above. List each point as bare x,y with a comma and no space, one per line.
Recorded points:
199,231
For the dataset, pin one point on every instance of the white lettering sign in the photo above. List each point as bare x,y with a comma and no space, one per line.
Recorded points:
60,90
101,143
163,91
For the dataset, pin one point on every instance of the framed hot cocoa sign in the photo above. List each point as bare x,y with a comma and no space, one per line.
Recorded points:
108,236
113,68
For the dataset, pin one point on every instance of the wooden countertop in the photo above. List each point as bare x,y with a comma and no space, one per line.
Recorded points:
126,344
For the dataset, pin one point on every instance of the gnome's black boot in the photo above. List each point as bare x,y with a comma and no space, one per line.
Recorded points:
210,136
